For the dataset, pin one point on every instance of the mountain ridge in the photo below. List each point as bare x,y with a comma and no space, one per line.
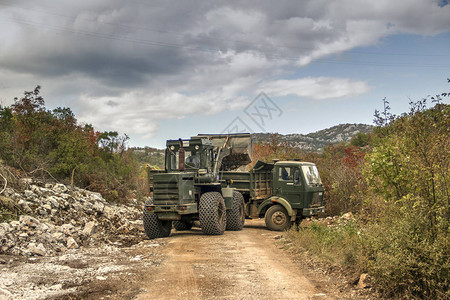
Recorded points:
315,141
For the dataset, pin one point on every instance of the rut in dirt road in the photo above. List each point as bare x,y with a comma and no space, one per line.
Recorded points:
237,265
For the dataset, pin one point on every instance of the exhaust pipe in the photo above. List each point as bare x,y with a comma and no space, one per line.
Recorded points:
181,156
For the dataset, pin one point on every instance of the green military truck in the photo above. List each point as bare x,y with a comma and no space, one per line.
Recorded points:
282,192
198,184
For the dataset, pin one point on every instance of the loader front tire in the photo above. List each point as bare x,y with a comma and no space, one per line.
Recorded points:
212,213
236,215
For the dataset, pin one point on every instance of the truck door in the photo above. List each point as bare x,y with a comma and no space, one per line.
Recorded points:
289,185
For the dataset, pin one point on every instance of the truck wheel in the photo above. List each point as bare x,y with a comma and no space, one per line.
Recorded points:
154,227
236,215
277,218
212,213
180,225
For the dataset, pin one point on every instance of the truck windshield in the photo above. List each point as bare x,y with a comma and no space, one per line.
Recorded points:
311,175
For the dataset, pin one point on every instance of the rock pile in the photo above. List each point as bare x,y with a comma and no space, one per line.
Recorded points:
56,218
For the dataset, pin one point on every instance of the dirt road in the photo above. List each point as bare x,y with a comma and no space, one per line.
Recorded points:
245,264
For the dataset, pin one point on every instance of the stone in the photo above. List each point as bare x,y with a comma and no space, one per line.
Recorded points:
100,278
59,188
25,206
90,228
43,227
5,294
38,250
77,206
347,216
68,229
95,197
363,281
29,194
71,243
109,212
58,236
4,228
55,287
53,201
15,225
29,221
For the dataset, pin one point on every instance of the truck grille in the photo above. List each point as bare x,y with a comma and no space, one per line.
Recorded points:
165,190
317,199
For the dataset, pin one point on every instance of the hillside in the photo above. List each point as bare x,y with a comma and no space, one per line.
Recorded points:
310,142
317,140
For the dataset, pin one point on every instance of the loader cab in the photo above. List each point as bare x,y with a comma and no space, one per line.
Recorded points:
189,155
297,182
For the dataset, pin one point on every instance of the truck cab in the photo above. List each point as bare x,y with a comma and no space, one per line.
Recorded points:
299,183
282,192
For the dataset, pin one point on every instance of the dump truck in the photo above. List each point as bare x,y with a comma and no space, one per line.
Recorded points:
282,192
200,183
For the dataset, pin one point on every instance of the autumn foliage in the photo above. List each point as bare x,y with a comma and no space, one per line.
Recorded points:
52,144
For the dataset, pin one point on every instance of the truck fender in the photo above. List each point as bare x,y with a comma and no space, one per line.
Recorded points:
276,200
227,194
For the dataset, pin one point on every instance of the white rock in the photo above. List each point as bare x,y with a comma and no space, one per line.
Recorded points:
363,281
67,229
43,227
90,228
5,294
59,236
347,216
4,228
95,197
14,225
38,250
29,194
53,201
56,287
100,278
71,243
109,212
59,188
29,221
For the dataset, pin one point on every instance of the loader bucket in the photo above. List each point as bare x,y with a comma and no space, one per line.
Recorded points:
236,149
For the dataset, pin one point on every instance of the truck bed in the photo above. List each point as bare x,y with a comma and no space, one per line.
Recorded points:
255,184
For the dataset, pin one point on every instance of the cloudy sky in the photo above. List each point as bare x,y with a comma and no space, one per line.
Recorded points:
161,70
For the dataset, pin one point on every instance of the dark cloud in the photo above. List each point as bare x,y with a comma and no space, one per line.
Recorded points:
161,54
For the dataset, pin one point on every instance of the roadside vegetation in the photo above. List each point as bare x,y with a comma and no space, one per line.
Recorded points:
395,181
51,144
